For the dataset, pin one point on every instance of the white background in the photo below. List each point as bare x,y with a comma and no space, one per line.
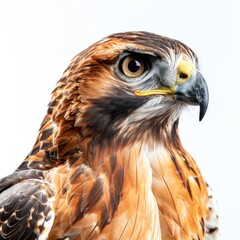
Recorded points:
39,38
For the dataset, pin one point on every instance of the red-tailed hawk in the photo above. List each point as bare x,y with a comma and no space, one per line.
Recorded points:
108,162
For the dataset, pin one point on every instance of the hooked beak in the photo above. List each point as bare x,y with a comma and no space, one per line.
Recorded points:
193,91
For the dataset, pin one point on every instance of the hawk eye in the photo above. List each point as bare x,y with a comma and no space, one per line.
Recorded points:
133,66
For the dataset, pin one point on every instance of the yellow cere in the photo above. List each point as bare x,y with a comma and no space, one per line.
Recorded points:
185,70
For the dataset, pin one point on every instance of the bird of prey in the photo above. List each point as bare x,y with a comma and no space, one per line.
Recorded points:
108,162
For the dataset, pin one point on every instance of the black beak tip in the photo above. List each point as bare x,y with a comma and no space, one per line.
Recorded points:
202,113
203,107
202,96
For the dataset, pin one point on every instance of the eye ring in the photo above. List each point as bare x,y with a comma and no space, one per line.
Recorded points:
133,66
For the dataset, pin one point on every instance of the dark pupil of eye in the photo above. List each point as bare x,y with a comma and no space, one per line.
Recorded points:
134,65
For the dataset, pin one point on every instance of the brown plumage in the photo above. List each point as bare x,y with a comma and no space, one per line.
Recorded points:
108,162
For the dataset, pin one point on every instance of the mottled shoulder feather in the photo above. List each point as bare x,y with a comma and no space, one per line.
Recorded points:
212,222
25,209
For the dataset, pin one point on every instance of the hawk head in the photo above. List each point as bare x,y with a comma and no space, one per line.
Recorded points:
129,82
